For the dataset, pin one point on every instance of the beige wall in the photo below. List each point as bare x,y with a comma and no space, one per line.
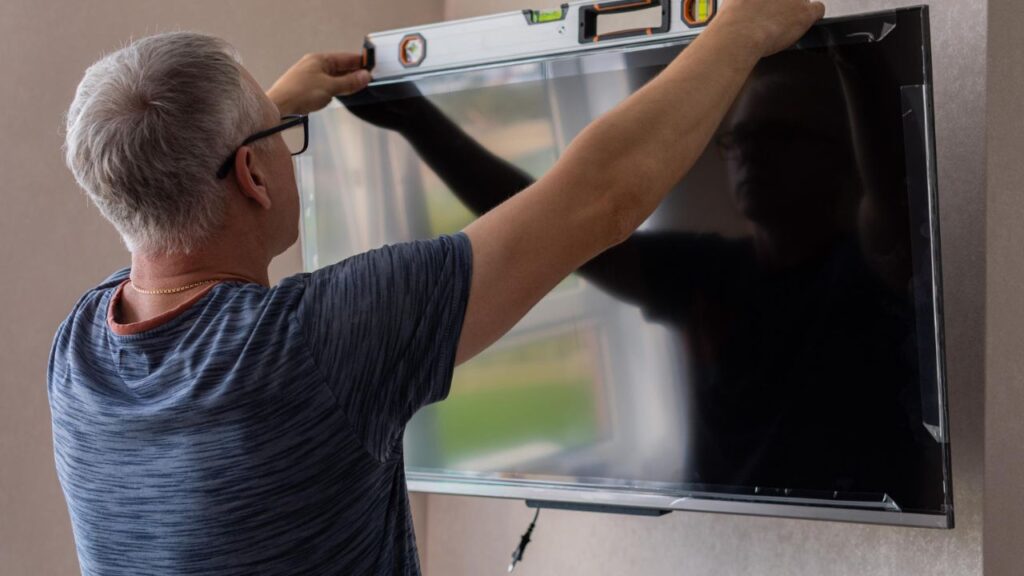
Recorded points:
54,245
475,536
1004,388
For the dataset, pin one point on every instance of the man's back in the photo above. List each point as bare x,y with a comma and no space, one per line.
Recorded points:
258,431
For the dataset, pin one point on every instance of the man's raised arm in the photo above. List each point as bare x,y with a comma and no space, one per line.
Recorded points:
616,172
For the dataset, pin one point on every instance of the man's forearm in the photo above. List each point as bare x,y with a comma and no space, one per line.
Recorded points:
618,169
638,151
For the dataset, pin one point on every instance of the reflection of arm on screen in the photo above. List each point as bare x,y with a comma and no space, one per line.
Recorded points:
482,180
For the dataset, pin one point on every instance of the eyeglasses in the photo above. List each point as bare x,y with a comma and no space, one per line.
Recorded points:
294,128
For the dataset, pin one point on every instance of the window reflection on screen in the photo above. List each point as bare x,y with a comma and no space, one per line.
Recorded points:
514,125
519,402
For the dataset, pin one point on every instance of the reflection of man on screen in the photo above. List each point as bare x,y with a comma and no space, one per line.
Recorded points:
801,335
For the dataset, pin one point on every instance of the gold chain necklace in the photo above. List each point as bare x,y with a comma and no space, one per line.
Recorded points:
173,290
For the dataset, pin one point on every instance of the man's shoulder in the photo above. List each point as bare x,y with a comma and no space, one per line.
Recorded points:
454,250
82,317
114,279
93,295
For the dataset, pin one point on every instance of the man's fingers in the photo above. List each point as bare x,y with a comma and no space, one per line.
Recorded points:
338,63
818,10
350,83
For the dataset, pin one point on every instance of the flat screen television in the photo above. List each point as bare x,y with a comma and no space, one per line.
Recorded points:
770,340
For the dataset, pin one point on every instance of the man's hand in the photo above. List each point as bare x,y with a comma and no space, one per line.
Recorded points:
772,25
310,84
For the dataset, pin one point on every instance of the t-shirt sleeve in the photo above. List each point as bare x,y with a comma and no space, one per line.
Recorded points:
383,328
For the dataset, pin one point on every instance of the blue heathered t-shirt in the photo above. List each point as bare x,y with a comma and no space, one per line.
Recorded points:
259,432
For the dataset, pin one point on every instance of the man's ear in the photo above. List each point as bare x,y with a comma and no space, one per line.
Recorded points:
249,176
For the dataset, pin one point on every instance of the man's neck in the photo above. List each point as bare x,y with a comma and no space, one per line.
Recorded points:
168,271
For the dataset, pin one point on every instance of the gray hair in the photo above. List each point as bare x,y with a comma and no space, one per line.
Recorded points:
149,126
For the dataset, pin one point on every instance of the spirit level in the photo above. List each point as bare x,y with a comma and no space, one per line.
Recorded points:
572,27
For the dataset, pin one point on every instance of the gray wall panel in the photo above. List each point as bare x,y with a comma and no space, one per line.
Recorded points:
1004,388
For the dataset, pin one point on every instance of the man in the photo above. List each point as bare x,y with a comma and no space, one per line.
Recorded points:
208,423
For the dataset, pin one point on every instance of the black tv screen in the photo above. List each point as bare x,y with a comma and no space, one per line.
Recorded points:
768,342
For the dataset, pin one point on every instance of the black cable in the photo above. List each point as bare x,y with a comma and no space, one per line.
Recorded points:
517,554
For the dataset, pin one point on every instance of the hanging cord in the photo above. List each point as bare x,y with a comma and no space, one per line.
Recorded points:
517,555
